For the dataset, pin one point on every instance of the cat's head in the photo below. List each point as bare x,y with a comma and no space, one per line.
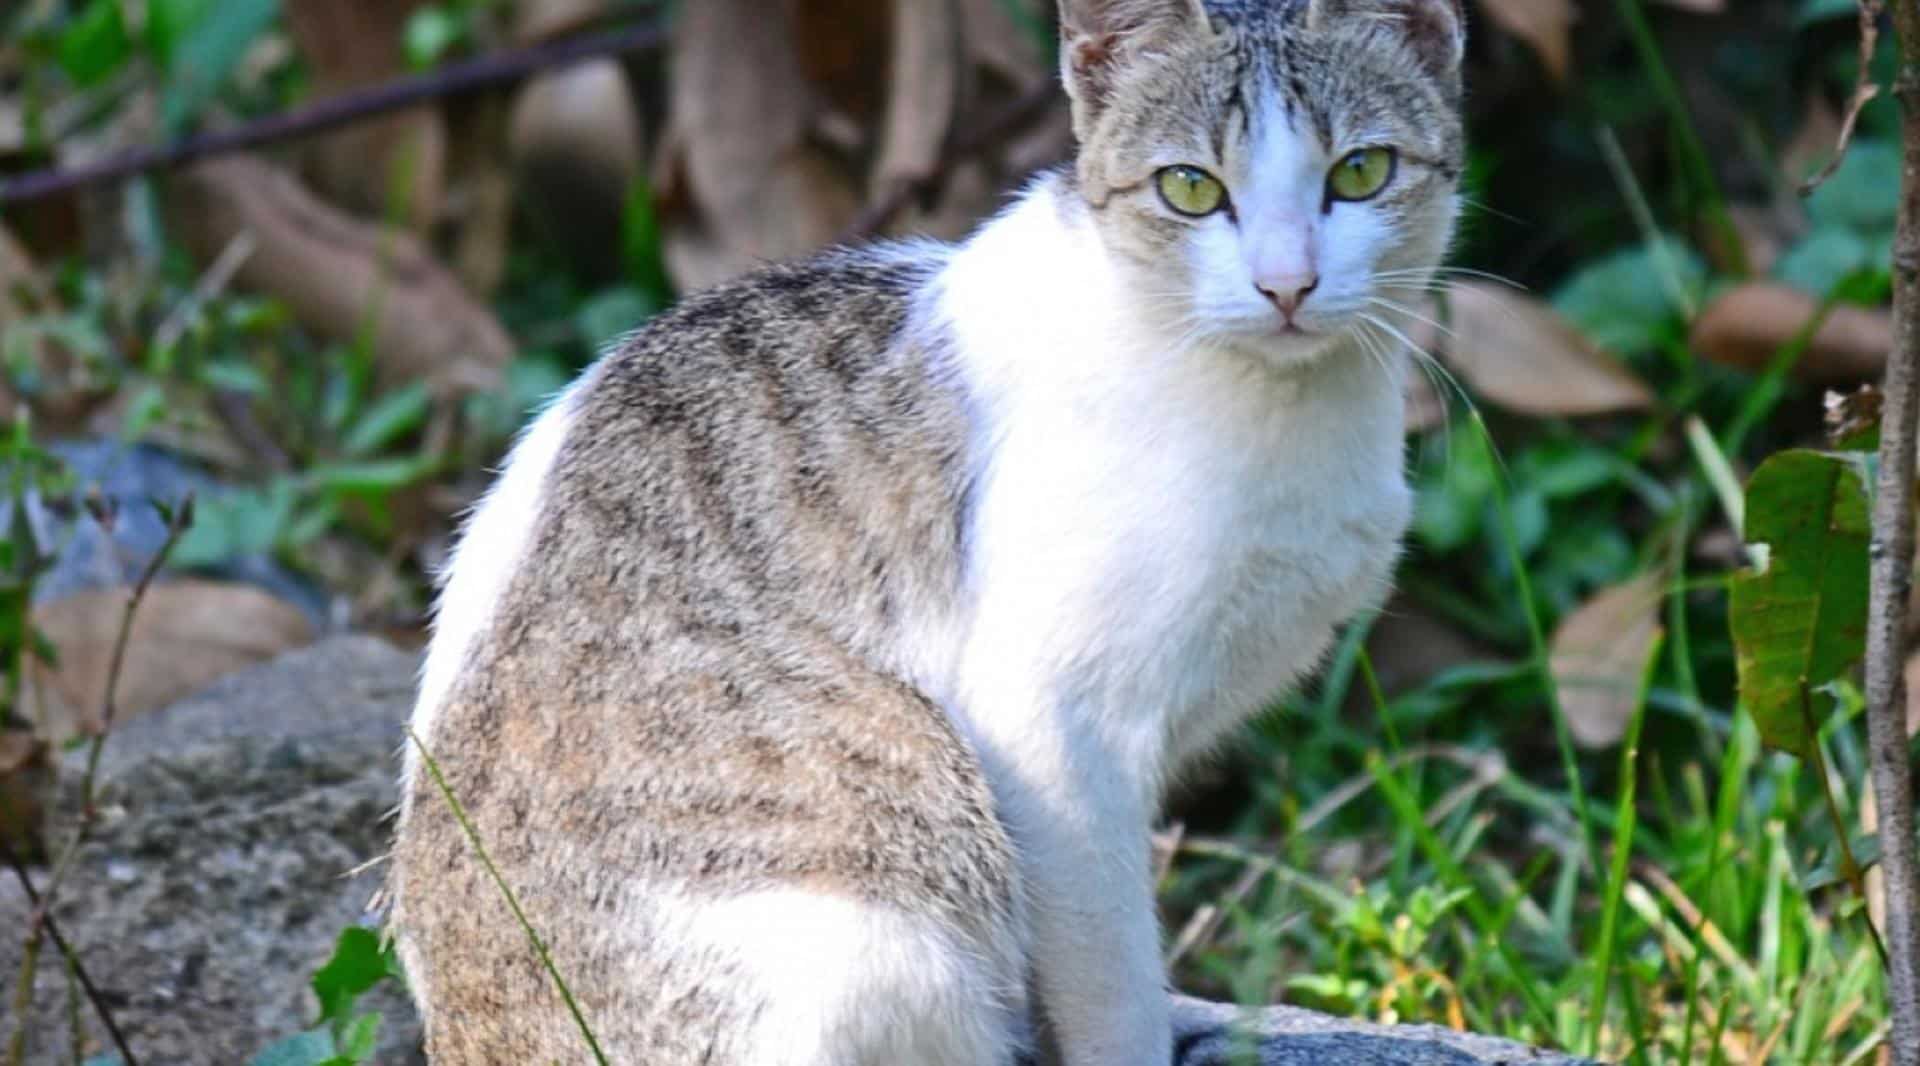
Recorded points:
1266,172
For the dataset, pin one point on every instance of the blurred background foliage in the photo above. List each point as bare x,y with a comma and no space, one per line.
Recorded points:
332,339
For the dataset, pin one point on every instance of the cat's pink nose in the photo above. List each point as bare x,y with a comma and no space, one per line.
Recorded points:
1288,291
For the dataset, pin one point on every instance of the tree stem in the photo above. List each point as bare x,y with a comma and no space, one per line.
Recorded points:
1892,573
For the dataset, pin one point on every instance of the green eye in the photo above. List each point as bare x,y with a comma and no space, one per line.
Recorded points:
1361,174
1191,191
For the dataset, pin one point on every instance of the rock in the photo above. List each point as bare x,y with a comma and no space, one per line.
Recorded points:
234,829
231,851
1215,1034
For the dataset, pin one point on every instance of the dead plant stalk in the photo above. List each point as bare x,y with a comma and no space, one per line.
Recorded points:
41,923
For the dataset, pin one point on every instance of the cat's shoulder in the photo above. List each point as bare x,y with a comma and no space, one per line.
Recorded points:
790,307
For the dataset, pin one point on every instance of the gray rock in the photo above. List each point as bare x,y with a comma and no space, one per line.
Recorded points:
229,856
1215,1034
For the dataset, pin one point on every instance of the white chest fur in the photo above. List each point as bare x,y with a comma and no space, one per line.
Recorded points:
1162,537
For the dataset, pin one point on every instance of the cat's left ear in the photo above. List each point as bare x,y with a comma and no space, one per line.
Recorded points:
1098,38
1436,29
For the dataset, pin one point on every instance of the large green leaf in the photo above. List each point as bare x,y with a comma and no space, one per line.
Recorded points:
204,54
1799,618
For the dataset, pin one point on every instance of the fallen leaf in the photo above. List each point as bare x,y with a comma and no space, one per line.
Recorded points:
574,138
1748,324
26,784
922,94
1426,408
1545,25
548,19
1764,232
1599,655
342,277
1519,353
751,184
349,44
186,634
1853,418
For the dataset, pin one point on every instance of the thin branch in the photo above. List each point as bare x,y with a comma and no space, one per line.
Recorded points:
42,919
1864,92
479,73
72,958
1891,558
996,128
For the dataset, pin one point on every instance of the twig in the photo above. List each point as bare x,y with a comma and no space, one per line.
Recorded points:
996,128
42,919
1891,558
1864,91
348,107
72,957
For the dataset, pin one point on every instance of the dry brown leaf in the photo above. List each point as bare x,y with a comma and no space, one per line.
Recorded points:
185,635
752,185
335,271
1599,654
543,20
26,785
1519,353
1746,325
997,42
1545,25
1426,408
353,43
574,138
922,93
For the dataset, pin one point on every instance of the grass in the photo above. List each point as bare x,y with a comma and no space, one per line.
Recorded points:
1470,895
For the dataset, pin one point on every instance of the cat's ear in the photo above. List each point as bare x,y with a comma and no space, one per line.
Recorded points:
1436,29
1100,37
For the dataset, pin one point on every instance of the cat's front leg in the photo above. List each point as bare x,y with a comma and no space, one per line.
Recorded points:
1095,939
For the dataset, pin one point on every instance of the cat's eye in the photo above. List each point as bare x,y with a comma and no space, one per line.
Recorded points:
1361,174
1190,190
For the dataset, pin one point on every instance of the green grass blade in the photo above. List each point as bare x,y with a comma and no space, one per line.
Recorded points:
1625,821
513,901
1537,635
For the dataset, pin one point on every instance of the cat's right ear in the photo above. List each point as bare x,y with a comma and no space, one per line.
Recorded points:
1098,38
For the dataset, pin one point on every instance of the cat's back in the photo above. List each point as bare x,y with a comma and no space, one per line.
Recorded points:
679,644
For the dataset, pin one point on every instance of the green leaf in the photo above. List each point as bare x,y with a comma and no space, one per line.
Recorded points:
232,524
95,44
1625,302
391,417
1812,11
167,21
612,312
357,965
646,266
361,1035
1828,256
430,32
311,1048
372,478
205,55
1799,617
1861,195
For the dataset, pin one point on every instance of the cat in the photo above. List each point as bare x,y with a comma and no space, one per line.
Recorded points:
814,669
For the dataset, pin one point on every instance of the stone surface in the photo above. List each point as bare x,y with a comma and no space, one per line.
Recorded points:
1206,1034
235,827
228,857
